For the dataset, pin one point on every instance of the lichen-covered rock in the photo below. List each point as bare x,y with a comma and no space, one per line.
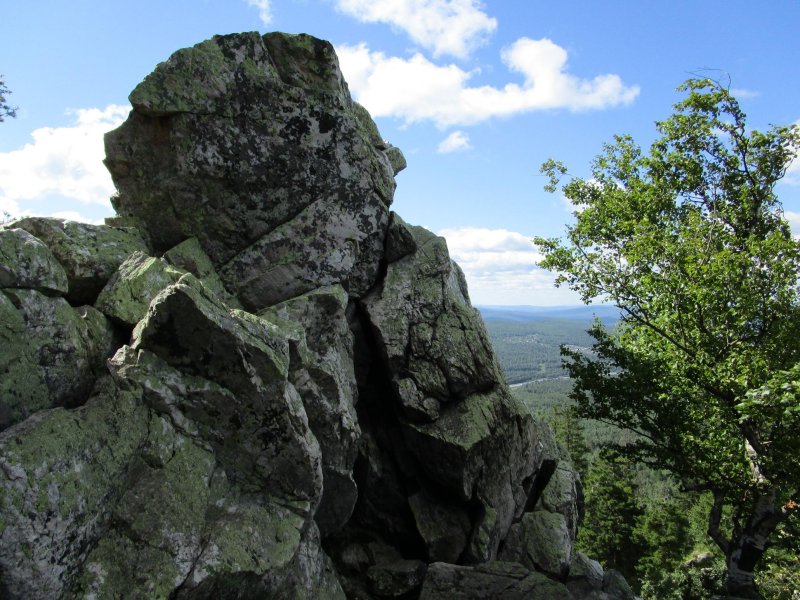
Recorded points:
351,428
487,453
128,293
564,495
228,375
489,581
189,256
321,369
395,579
540,541
90,254
25,262
60,474
585,576
426,326
50,353
291,194
445,529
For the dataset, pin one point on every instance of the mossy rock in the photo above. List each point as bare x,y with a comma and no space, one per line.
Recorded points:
26,262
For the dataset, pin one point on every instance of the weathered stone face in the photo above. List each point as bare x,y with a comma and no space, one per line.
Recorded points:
262,383
253,145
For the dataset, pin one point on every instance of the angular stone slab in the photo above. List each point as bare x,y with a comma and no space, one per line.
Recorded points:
26,262
138,280
90,254
60,473
540,541
321,369
50,353
229,374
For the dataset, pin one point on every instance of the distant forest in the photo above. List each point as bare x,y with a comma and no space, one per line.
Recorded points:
637,520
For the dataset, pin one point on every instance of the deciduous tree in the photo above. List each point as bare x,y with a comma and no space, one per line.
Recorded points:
690,241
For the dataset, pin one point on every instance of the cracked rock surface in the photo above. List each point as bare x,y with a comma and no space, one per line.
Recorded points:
256,381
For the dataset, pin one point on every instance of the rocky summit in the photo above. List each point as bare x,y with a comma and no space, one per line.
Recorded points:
257,381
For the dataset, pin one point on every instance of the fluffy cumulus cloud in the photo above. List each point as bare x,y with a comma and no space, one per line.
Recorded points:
60,161
456,141
453,27
264,10
500,267
416,89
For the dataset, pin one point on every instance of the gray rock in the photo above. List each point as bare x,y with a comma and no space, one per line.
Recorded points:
616,587
540,541
585,575
249,413
445,529
50,355
128,293
189,256
564,495
400,240
489,581
426,326
62,472
486,452
394,579
321,368
90,254
291,194
26,262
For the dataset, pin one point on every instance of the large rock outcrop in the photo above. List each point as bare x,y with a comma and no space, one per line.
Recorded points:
257,381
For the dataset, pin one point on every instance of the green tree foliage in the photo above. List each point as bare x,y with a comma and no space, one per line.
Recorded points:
5,109
607,530
568,430
690,242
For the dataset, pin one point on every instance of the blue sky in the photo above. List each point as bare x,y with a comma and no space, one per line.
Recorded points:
476,94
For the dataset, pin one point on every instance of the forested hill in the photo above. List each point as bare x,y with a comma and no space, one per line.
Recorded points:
522,313
527,339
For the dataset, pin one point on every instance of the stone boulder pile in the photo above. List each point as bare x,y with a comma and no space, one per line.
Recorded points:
257,381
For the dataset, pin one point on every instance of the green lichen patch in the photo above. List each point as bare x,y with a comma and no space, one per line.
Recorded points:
158,522
189,256
140,278
62,472
89,254
26,262
50,353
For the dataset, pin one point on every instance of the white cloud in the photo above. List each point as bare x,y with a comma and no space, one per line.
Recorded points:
454,27
62,161
744,94
794,221
264,10
500,267
415,89
456,141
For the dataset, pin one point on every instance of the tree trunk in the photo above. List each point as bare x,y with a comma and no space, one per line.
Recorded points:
746,550
741,563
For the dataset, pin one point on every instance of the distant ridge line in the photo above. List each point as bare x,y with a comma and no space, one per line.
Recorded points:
606,313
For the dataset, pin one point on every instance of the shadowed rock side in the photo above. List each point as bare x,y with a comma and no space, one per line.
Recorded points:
257,381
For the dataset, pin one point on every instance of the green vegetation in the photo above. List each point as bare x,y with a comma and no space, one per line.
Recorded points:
690,242
530,350
5,109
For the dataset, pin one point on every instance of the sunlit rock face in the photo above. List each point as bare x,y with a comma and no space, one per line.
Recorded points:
252,144
256,381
